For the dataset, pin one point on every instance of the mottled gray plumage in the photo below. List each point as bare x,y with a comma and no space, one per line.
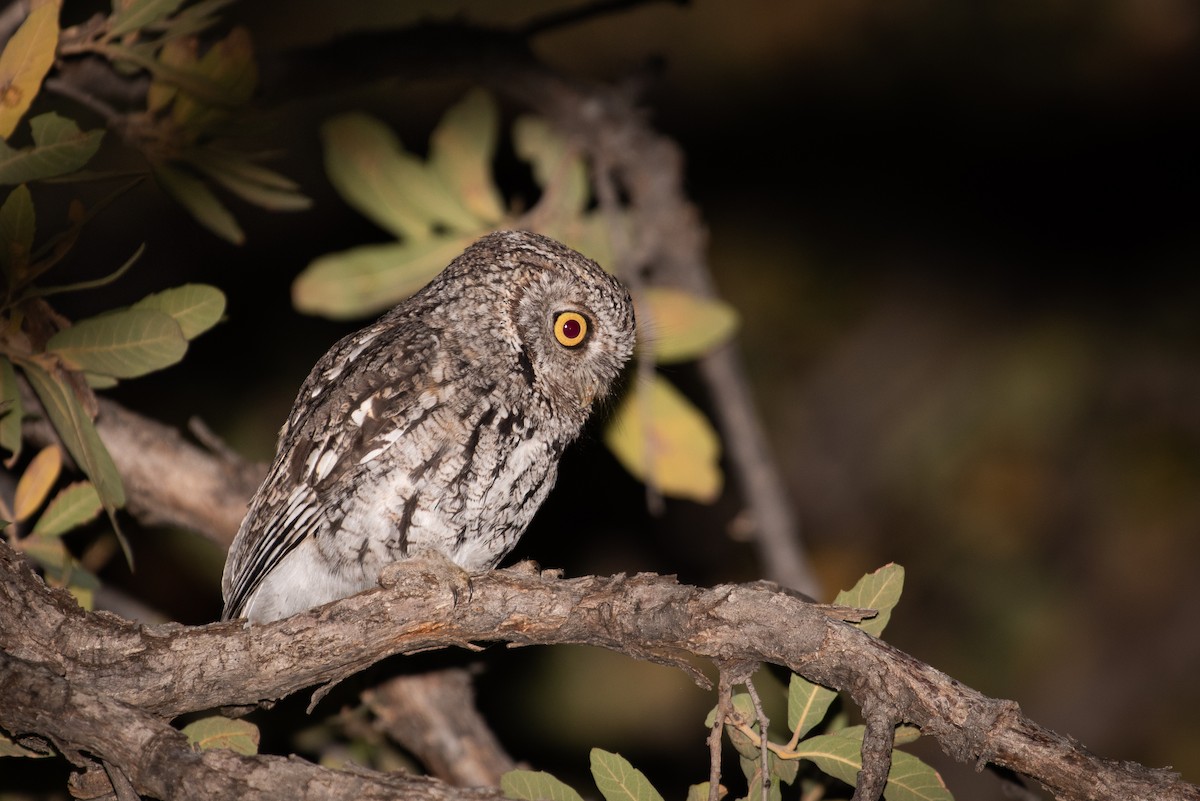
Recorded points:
437,428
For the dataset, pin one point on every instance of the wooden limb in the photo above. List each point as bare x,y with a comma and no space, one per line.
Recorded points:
156,760
166,670
433,715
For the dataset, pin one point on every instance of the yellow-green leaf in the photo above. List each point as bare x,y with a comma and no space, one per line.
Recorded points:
16,232
220,732
201,203
372,172
367,166
252,183
49,552
74,506
195,307
367,279
180,54
14,412
807,704
557,167
699,792
681,325
536,785
618,780
36,482
77,432
840,755
137,14
461,150
24,63
228,68
59,147
879,591
121,344
664,440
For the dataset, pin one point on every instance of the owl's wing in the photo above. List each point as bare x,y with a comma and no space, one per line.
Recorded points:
353,405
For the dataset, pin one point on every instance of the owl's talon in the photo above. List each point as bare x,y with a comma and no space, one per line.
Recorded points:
439,570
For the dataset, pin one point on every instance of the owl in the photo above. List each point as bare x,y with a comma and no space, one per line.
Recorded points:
436,429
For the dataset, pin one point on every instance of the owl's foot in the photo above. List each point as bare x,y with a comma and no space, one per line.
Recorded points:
436,568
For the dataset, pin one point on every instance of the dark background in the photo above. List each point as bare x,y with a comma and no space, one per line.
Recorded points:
963,241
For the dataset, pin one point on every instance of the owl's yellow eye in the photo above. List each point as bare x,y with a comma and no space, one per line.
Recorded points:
570,328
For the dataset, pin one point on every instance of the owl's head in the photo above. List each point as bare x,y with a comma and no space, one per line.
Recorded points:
569,324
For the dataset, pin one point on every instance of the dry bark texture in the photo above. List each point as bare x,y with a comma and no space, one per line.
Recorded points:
94,684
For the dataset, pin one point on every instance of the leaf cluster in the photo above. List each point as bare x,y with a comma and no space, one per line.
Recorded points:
190,97
186,124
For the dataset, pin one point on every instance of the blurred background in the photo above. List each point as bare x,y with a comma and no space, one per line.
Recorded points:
963,241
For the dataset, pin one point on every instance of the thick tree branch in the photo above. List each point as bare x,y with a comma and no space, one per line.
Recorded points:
167,670
159,762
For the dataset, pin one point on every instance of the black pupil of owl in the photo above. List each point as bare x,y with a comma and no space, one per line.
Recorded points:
571,329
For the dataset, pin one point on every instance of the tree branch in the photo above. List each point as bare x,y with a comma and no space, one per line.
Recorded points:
159,762
167,670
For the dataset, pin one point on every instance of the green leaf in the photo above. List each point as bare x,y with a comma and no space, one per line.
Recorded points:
367,166
200,202
220,160
461,149
16,232
617,780
752,770
221,732
44,291
195,307
122,344
807,704
664,440
10,419
142,57
36,482
699,792
49,552
10,749
59,147
26,59
372,172
77,432
367,279
879,591
227,69
195,18
137,14
682,326
179,54
557,167
254,184
97,381
840,755
75,505
536,785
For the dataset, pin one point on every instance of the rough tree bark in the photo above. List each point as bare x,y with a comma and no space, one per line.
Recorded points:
75,678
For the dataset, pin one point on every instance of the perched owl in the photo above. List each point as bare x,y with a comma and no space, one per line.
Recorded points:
437,428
